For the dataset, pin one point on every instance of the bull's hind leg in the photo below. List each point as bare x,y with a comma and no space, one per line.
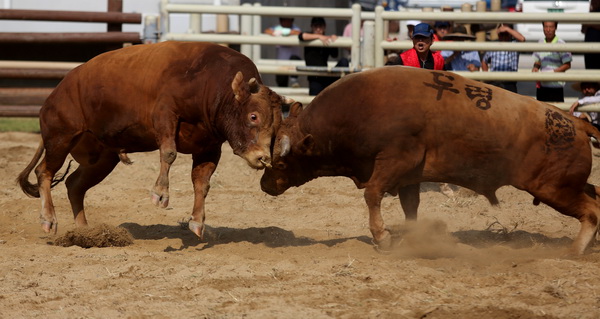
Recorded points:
95,165
588,214
410,198
165,123
583,205
204,166
56,153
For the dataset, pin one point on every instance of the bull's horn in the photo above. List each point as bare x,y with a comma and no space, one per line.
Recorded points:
285,146
288,100
254,86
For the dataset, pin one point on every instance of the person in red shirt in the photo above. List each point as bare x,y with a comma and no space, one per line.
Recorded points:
420,56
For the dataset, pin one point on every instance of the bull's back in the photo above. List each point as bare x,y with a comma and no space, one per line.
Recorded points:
452,123
115,94
392,102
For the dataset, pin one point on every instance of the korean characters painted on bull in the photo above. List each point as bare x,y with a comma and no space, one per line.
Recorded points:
176,97
401,126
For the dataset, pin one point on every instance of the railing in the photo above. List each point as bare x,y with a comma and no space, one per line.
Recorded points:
41,46
368,52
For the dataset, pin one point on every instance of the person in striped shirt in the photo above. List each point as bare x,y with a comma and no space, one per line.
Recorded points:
503,61
551,62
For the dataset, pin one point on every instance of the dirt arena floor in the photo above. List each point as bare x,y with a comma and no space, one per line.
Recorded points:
305,254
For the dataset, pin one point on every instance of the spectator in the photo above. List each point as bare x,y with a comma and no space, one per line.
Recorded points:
592,34
551,62
591,95
286,28
410,27
318,56
461,60
503,61
420,56
442,28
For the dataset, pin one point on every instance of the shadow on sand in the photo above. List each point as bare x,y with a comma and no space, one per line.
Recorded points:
213,236
277,237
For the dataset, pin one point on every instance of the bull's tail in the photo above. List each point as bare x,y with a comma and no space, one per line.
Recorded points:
32,190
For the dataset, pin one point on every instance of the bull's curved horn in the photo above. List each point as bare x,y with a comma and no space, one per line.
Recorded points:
285,146
254,86
236,86
288,100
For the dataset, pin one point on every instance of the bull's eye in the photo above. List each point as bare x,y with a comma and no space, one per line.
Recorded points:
253,117
280,165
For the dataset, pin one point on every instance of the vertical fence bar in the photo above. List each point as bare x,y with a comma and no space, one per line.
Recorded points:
356,38
151,32
377,50
246,29
256,30
195,23
164,20
368,47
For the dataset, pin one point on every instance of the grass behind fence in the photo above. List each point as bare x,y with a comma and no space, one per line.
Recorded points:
20,124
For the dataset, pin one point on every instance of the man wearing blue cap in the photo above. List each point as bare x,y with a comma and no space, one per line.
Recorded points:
420,56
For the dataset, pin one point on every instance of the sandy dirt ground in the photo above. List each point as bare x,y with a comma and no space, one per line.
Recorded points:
304,254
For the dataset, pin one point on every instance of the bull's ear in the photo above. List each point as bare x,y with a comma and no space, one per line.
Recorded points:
237,85
295,109
306,145
254,86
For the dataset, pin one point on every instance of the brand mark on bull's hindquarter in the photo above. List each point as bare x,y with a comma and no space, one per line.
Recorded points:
561,131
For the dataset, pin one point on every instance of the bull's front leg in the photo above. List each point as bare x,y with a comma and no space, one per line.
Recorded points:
381,236
204,165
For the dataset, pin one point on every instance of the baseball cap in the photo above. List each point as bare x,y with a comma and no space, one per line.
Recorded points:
422,29
441,24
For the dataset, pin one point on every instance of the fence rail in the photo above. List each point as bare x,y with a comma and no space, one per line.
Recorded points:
366,53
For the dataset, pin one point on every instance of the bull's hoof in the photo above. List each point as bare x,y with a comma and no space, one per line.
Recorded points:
160,201
384,244
49,227
197,228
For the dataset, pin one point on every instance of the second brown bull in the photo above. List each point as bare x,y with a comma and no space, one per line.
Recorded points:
391,128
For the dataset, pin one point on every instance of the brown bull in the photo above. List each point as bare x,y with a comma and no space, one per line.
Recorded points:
390,129
172,96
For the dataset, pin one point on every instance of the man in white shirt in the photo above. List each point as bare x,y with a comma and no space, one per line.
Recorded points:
591,95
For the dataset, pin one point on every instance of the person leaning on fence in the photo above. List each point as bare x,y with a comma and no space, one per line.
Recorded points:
503,61
461,60
318,56
591,95
551,91
286,28
420,56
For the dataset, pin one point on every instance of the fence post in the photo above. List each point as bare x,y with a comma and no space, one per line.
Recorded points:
368,45
114,6
256,30
150,29
480,7
467,7
195,23
377,50
246,29
356,38
164,20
